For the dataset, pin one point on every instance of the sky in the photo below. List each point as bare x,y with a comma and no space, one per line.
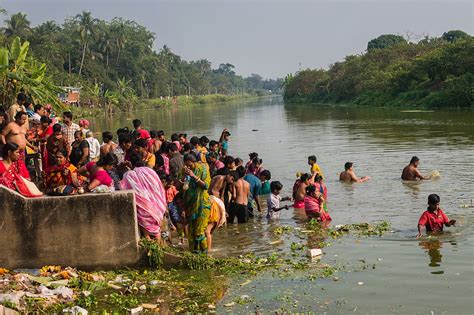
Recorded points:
271,38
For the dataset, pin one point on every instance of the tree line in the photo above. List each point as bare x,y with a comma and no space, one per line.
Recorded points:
116,59
433,72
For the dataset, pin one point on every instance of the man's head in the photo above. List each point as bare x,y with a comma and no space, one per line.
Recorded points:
187,147
67,117
136,123
229,162
141,146
21,118
238,162
107,136
433,201
78,136
415,161
161,135
204,141
125,140
174,137
226,135
212,157
57,130
304,178
265,175
39,109
276,187
45,121
311,159
21,98
213,146
194,141
172,148
232,177
348,166
241,171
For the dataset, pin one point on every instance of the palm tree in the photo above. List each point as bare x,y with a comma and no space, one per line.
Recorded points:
118,34
85,29
106,45
17,25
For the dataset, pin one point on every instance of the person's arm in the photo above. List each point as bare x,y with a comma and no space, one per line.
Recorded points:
5,132
286,207
85,153
83,170
420,228
421,177
95,183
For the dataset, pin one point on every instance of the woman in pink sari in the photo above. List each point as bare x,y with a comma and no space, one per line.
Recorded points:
150,196
313,205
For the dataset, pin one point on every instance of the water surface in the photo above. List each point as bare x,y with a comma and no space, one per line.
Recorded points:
406,276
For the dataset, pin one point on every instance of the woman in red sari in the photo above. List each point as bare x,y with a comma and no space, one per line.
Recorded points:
11,166
62,173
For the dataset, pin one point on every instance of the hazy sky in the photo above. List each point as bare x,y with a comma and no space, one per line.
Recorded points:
266,37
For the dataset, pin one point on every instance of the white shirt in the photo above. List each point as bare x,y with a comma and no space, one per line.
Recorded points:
273,201
94,148
36,117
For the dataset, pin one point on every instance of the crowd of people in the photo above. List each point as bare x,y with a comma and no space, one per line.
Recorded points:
196,184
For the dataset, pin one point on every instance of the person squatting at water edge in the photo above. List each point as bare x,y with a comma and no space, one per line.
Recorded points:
197,187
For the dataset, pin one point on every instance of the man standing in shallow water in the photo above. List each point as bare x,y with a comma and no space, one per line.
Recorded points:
411,172
350,176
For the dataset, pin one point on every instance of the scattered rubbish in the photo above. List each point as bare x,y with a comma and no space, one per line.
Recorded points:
254,129
313,252
379,259
142,288
245,283
76,310
154,282
276,242
229,304
211,307
136,310
7,311
114,286
13,298
360,283
335,279
149,306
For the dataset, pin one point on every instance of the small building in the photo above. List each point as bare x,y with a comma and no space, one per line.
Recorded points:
71,95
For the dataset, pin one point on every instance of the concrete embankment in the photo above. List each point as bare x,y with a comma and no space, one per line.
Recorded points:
85,231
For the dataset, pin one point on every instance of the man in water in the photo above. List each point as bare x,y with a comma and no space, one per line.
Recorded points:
219,183
238,207
255,188
411,172
349,176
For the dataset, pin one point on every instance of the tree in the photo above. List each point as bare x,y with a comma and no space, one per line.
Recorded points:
454,35
85,29
17,25
385,41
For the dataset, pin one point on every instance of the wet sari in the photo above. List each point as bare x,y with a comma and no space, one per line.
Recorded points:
198,208
150,197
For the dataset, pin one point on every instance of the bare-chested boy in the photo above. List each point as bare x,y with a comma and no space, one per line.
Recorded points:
220,182
300,191
411,172
240,196
15,132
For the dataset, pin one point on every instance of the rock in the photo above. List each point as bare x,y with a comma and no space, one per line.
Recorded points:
75,310
136,310
313,252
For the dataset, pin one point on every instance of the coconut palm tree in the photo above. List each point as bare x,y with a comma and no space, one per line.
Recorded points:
17,25
85,29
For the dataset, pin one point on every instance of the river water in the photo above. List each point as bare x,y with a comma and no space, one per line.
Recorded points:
405,275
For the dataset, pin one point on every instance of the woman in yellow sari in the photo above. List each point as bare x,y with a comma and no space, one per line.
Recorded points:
197,202
62,174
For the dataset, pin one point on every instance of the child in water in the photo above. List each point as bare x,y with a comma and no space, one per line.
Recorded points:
433,219
274,199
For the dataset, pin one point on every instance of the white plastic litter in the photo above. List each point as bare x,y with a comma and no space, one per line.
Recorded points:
76,310
314,252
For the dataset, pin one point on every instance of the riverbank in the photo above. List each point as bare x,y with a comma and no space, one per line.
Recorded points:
183,100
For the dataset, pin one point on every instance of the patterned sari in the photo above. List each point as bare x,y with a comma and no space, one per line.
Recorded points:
10,175
56,176
150,197
198,207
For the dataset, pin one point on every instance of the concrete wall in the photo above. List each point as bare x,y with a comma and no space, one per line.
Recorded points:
85,231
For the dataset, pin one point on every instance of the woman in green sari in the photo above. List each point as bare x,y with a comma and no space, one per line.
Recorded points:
197,202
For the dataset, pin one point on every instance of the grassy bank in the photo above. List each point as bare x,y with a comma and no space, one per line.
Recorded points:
195,100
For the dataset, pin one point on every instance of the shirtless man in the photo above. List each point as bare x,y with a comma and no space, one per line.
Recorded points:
219,183
240,195
109,145
349,175
411,172
301,191
16,132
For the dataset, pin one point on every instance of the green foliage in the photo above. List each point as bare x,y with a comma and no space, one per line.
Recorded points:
431,73
454,35
385,41
118,56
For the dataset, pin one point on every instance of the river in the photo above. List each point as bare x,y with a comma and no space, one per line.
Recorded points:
402,275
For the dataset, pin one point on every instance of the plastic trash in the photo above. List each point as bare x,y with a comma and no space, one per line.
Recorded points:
76,310
314,252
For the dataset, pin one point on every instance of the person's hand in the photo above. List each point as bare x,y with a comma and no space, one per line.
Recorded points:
452,222
287,207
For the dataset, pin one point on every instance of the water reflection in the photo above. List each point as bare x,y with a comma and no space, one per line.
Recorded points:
433,249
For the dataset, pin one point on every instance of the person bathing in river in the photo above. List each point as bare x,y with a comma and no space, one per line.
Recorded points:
274,199
313,205
314,167
265,177
349,176
433,219
411,172
224,142
255,188
240,191
299,190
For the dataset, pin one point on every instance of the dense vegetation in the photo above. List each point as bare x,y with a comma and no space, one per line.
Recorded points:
433,72
114,61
